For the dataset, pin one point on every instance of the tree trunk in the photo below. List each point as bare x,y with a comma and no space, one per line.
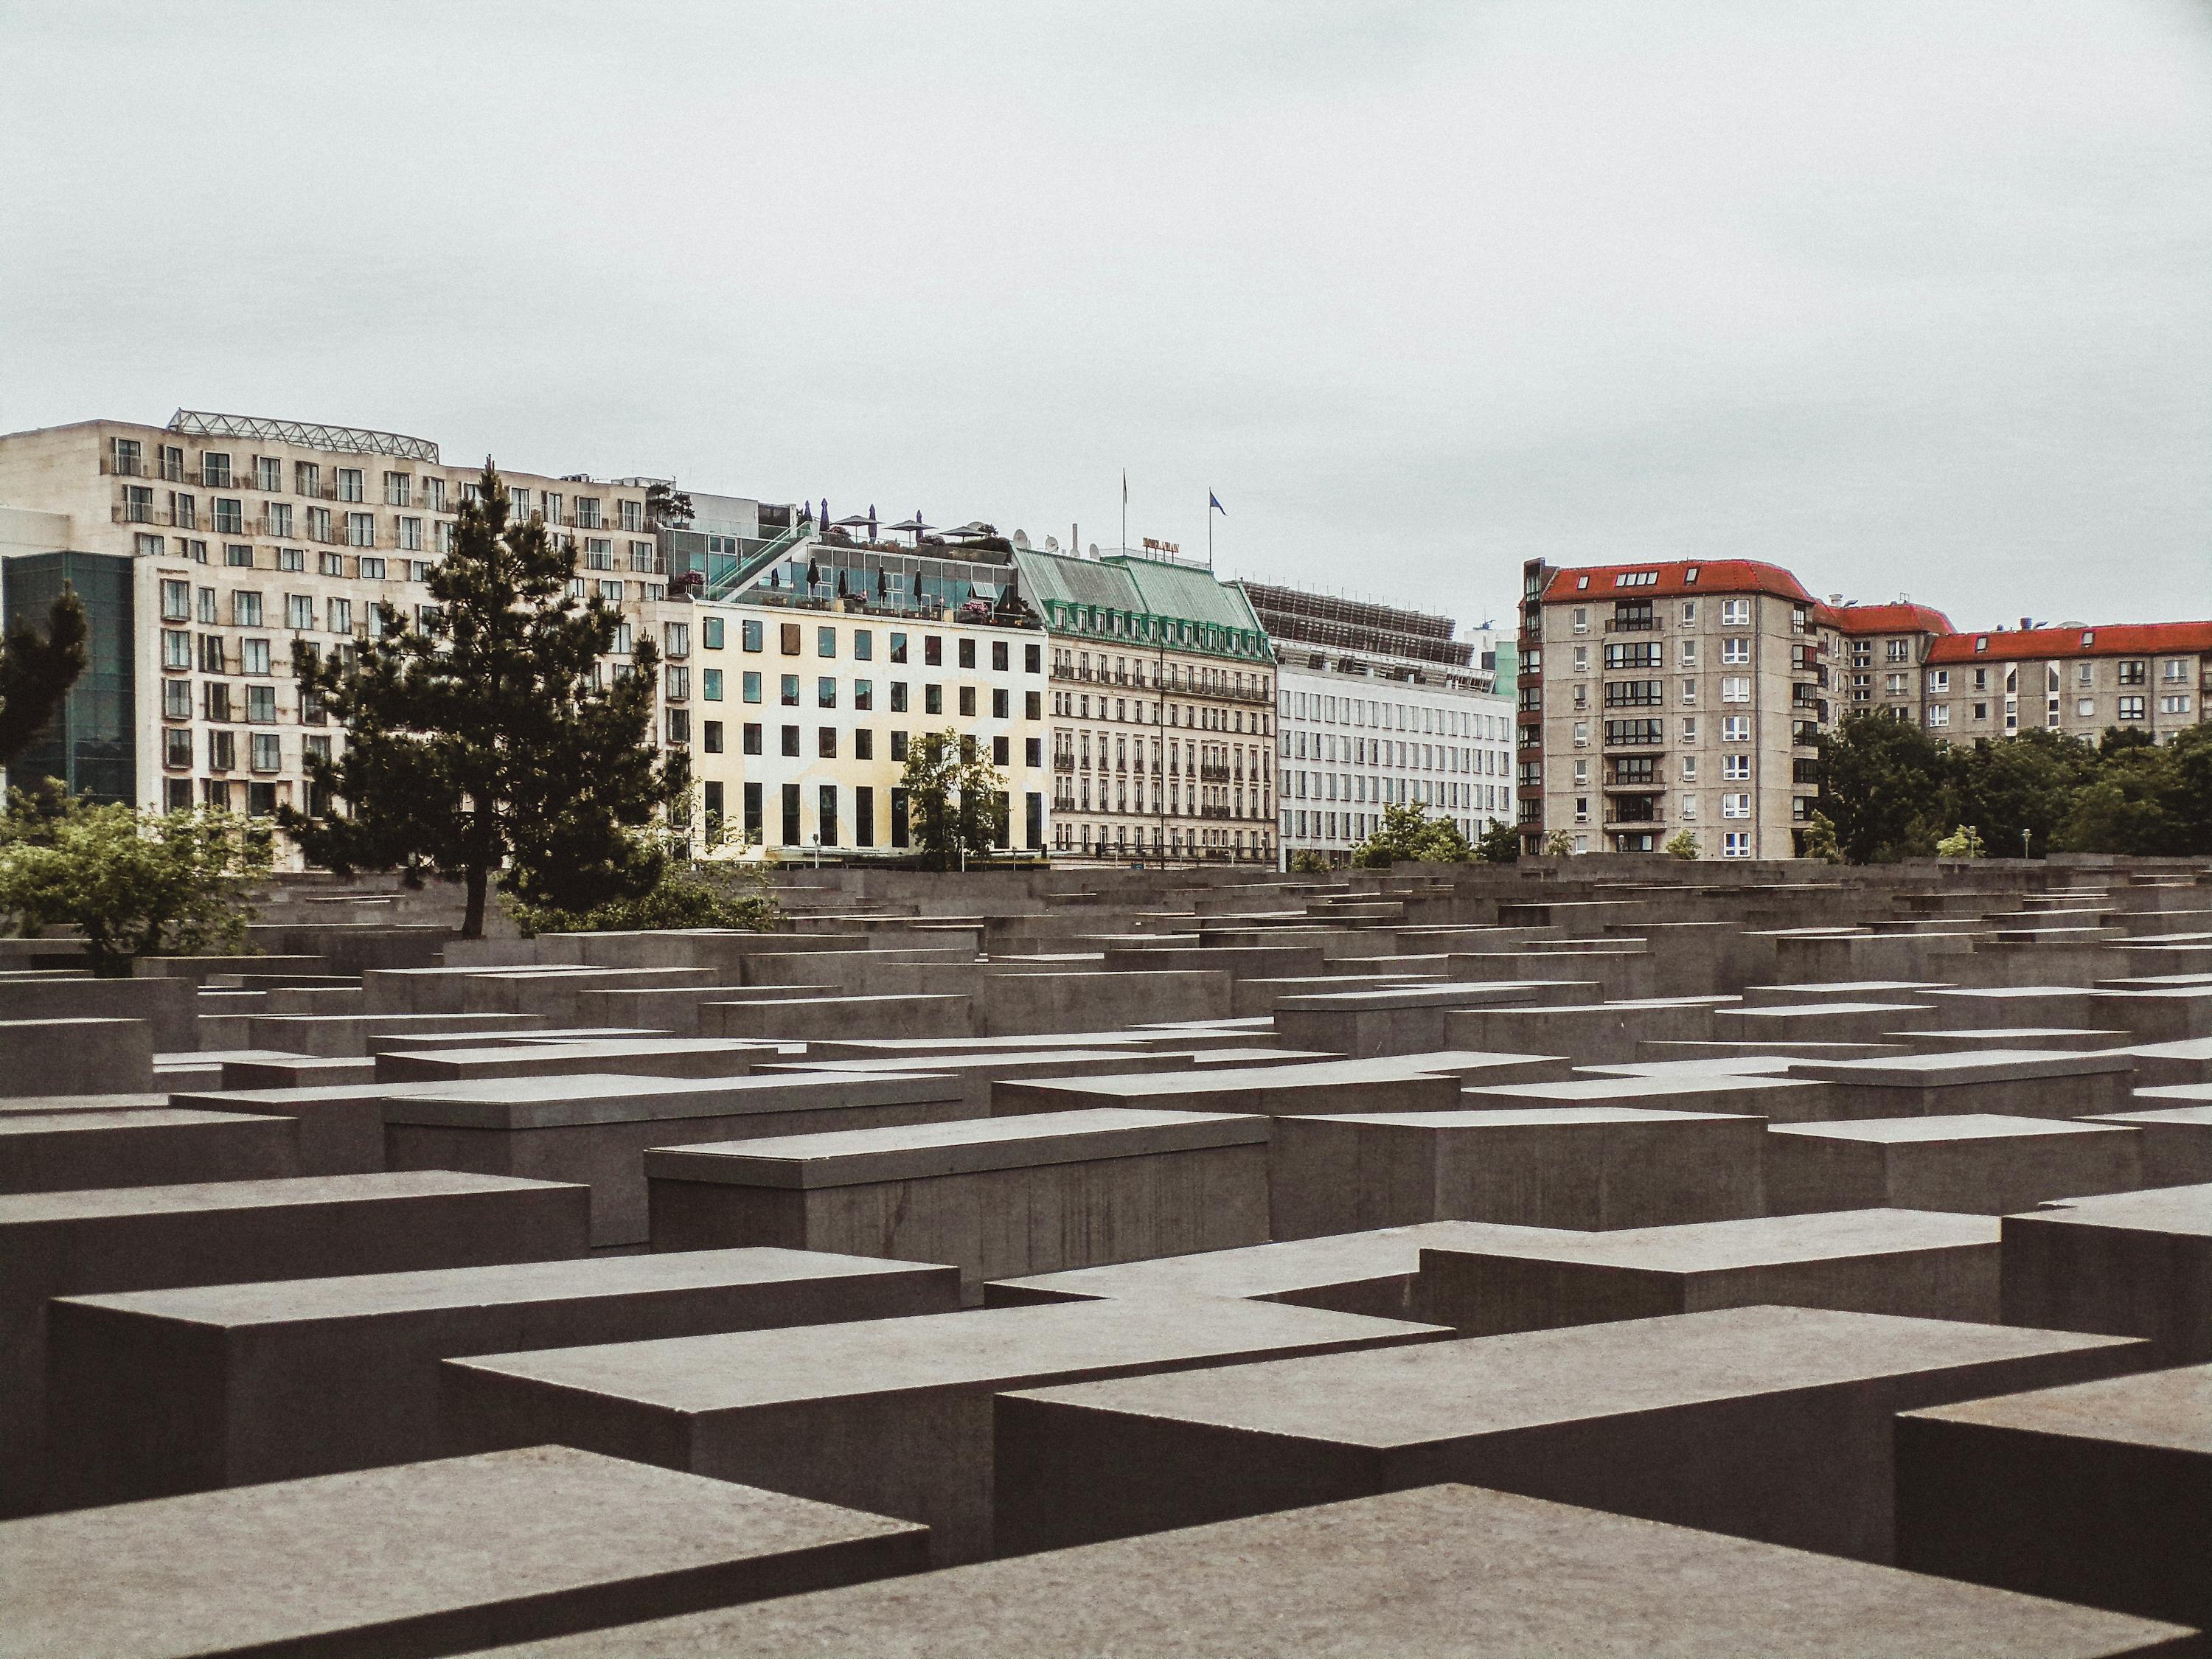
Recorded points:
472,920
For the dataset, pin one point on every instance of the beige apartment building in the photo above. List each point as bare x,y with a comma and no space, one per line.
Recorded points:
1671,697
807,709
205,548
2148,677
1875,652
1163,709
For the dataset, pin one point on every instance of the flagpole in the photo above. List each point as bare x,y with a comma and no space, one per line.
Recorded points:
1124,509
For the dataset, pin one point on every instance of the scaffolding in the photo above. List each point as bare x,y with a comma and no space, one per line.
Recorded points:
308,434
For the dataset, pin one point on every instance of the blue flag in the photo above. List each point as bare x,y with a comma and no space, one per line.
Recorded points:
1214,501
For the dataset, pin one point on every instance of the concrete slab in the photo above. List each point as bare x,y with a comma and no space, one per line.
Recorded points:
664,1056
159,1392
894,1415
1572,1167
2177,1140
136,1238
1740,1087
426,1558
2133,1264
998,1197
1376,1273
1826,1020
2014,1082
806,1019
1409,1019
595,1128
1978,1164
1590,1031
1410,1572
58,1151
1711,1419
1391,1083
76,1056
2099,1493
1907,1262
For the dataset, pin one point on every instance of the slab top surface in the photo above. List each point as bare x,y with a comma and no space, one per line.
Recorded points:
1639,1086
2183,1210
1960,1126
2168,1410
218,1572
358,1296
1757,1242
1557,1117
18,1209
1434,1393
1964,1066
1440,1569
995,1347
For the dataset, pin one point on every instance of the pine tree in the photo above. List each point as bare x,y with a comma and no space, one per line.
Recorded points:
485,743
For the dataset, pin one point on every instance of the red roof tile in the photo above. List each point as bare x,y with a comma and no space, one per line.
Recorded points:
1674,580
2036,644
1860,619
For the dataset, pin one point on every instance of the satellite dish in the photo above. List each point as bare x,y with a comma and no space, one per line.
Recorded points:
1022,539
1052,543
1094,550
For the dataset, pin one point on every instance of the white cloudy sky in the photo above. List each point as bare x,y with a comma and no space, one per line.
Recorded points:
1911,297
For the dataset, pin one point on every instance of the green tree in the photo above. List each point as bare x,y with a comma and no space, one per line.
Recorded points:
956,799
1559,844
2022,783
36,671
1407,833
1499,843
490,739
1307,862
724,894
135,883
1820,839
2130,805
1683,844
1963,842
2190,797
1886,788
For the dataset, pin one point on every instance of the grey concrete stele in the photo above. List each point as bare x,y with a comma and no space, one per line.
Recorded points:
159,1392
890,1416
1770,1423
1444,1570
2132,1264
426,1558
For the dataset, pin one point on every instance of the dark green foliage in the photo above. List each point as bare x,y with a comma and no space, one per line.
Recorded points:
492,740
722,895
956,799
36,671
1500,843
1894,793
1407,833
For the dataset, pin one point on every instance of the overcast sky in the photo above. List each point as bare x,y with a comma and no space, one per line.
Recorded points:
1913,298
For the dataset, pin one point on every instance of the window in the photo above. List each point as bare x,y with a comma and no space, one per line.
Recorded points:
230,517
399,489
245,609
825,743
261,703
177,742
710,684
967,702
215,471
611,593
790,741
1735,806
864,745
710,633
176,648
1735,844
633,513
788,639
898,648
1735,769
752,735
1001,705
2131,708
1939,680
932,699
999,658
711,736
411,535
966,654
1735,613
678,681
933,651
2134,673
825,641
253,656
2174,668
2176,705
864,693
277,519
679,725
999,749
318,526
370,570
238,556
676,639
751,635
1939,714
588,513
1735,688
1033,705
214,700
898,751
307,478
1033,659
1580,619
788,691
1735,649
825,692
898,696
1736,728
361,530
790,815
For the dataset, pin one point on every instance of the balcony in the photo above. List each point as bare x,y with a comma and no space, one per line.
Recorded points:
1063,762
1212,772
1632,625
